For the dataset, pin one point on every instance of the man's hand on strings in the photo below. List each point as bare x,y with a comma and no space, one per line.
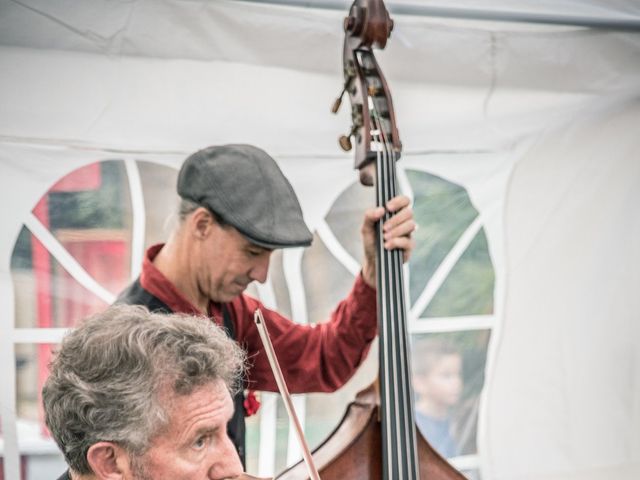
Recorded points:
397,232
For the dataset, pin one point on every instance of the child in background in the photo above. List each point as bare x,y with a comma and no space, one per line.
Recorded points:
437,384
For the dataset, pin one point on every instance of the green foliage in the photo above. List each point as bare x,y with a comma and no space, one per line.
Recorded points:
444,211
468,290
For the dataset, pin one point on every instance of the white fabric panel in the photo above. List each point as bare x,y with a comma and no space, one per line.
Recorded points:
142,104
88,80
421,50
564,400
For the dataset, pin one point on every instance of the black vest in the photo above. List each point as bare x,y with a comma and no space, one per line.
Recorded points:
134,294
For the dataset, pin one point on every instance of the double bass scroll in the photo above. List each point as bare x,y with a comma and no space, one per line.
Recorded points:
368,25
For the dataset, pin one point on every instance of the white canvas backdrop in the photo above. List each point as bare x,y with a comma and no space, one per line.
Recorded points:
557,105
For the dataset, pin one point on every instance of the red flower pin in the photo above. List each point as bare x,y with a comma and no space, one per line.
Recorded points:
251,403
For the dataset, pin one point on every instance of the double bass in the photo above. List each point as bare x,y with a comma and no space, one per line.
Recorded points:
376,438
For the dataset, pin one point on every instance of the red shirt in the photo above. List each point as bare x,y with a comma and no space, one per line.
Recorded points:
314,358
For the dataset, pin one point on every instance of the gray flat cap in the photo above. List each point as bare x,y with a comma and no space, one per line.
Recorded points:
245,187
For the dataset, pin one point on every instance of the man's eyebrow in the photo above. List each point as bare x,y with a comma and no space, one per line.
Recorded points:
205,431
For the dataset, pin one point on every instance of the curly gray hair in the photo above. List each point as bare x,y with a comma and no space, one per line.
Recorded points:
108,375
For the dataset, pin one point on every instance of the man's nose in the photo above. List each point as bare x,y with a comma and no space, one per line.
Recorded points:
227,462
260,269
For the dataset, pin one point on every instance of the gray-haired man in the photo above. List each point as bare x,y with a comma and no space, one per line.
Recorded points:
135,395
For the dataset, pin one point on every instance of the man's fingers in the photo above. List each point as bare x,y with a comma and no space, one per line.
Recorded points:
403,243
372,215
403,216
397,229
405,229
398,203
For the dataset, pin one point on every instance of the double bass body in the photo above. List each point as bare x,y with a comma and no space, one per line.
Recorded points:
353,450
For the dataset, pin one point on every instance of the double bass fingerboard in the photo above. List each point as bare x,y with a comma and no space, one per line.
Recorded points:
399,447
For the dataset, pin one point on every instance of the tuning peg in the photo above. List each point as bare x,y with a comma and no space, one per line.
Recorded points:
345,140
349,74
338,101
345,143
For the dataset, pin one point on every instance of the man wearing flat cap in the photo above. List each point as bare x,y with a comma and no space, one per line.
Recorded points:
236,208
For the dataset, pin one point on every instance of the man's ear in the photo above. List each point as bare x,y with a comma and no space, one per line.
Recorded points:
108,461
202,222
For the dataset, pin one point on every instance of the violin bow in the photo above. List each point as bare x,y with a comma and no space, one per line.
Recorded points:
284,392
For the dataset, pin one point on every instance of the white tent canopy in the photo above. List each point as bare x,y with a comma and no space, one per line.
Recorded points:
539,123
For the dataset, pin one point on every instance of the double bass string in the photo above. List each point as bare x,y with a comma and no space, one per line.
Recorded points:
385,356
402,334
389,427
397,391
395,319
394,431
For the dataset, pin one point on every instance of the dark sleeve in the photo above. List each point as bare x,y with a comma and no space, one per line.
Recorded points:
134,294
314,358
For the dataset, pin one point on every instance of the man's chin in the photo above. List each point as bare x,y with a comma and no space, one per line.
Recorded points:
233,292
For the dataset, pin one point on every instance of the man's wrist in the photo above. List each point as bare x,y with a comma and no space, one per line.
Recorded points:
369,275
